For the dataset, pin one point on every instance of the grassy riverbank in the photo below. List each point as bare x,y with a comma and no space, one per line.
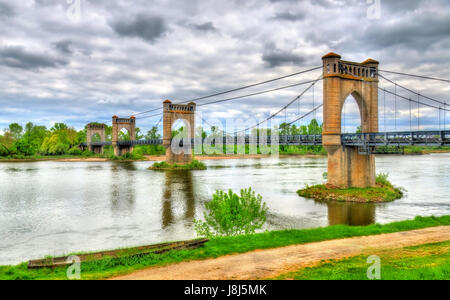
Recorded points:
109,267
385,191
424,262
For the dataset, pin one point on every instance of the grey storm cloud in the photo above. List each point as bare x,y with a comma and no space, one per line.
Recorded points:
18,57
64,46
6,11
208,26
149,28
289,16
275,57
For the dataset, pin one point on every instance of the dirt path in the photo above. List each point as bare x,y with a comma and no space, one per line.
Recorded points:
273,262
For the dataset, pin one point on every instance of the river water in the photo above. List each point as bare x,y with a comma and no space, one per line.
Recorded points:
55,208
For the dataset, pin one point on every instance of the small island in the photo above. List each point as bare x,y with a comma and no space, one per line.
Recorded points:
384,191
193,165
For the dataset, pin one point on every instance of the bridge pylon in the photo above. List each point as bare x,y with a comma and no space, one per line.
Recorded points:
346,166
172,113
91,130
117,125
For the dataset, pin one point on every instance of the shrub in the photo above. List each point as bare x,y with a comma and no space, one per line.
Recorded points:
229,214
382,179
75,151
87,153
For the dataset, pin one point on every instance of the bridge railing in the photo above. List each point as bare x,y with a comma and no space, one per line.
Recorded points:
407,138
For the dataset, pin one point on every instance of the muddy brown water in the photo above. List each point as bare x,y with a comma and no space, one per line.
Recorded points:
55,208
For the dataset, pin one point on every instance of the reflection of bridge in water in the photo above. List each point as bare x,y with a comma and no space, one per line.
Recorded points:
359,214
177,182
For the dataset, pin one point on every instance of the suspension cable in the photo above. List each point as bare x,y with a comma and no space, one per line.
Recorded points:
236,89
279,111
417,76
307,114
240,97
237,97
415,101
287,105
409,90
255,94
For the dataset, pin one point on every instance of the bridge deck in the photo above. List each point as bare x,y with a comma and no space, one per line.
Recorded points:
381,139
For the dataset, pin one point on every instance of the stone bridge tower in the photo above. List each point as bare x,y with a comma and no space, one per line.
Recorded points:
346,166
172,113
93,129
117,125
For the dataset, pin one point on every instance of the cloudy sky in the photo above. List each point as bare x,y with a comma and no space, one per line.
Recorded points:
78,61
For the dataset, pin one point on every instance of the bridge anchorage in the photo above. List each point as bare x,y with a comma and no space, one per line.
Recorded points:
118,124
349,166
172,113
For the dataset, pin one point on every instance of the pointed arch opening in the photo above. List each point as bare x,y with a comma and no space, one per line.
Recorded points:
124,135
351,115
96,138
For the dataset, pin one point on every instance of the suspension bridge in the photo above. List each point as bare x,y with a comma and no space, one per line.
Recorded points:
351,162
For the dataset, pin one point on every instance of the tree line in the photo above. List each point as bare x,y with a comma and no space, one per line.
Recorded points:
61,139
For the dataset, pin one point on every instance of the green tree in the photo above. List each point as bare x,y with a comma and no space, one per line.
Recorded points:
6,143
153,134
16,131
359,129
59,140
138,134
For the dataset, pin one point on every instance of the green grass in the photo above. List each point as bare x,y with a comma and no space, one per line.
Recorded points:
194,165
424,262
303,150
425,150
383,192
108,267
48,157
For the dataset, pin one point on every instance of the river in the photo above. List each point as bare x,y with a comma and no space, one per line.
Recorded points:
55,208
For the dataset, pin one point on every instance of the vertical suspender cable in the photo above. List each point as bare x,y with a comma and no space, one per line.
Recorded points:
395,106
384,105
410,115
418,111
314,100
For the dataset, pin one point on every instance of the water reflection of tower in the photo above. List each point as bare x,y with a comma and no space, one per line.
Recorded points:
122,189
179,185
355,214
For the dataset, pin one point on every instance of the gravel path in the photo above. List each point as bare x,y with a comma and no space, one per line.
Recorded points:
270,263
